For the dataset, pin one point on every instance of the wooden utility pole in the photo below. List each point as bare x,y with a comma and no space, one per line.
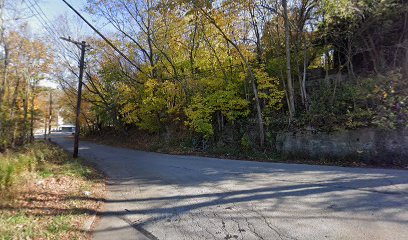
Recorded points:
45,126
50,117
32,113
82,45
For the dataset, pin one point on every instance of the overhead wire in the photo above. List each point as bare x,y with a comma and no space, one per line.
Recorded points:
50,28
53,33
43,20
122,54
104,38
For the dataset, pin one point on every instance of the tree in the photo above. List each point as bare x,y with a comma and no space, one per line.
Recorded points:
28,62
219,68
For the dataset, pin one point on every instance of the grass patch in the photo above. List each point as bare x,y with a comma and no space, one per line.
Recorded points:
60,225
25,225
45,194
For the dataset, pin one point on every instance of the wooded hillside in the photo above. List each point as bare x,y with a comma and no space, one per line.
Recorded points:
240,71
243,70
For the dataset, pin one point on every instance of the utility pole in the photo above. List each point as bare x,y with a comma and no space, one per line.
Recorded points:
82,45
50,117
45,126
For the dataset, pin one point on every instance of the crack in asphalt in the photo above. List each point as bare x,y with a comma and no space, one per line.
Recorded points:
228,235
211,201
274,229
253,230
209,232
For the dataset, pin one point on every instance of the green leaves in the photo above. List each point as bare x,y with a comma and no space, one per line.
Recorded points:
200,117
269,89
202,110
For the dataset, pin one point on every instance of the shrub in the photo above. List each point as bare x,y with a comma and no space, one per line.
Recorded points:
26,159
246,142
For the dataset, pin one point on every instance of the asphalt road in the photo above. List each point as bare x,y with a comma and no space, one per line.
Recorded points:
159,196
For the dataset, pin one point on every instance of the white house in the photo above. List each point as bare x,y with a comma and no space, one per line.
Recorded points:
62,126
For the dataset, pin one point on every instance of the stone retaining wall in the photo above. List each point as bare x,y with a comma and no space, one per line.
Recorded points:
368,145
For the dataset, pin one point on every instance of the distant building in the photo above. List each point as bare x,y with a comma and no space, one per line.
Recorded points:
62,126
66,128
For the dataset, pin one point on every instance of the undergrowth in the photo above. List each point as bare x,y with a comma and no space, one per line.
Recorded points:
45,193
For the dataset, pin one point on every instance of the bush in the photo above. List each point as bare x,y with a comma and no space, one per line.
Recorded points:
372,101
26,159
246,142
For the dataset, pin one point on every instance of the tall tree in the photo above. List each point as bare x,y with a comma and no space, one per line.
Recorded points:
291,91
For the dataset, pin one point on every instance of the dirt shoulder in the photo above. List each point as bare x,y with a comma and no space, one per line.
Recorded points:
56,197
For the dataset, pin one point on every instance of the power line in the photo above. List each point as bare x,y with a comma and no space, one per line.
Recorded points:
104,38
40,17
45,16
41,13
124,56
43,21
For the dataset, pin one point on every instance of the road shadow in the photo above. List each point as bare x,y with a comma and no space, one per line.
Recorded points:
185,184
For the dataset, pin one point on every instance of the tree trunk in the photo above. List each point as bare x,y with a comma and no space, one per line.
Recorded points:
13,112
251,76
251,8
4,75
303,85
45,126
288,64
284,87
6,52
406,58
372,53
350,69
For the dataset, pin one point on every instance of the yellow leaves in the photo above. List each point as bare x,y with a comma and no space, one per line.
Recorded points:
199,115
158,103
343,8
150,86
202,109
30,56
212,84
153,97
229,103
159,94
269,88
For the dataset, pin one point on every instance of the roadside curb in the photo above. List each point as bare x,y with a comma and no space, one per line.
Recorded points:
92,218
87,226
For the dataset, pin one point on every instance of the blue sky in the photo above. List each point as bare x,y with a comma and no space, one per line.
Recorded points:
55,8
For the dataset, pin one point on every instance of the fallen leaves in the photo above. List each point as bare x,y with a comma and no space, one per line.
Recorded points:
51,208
